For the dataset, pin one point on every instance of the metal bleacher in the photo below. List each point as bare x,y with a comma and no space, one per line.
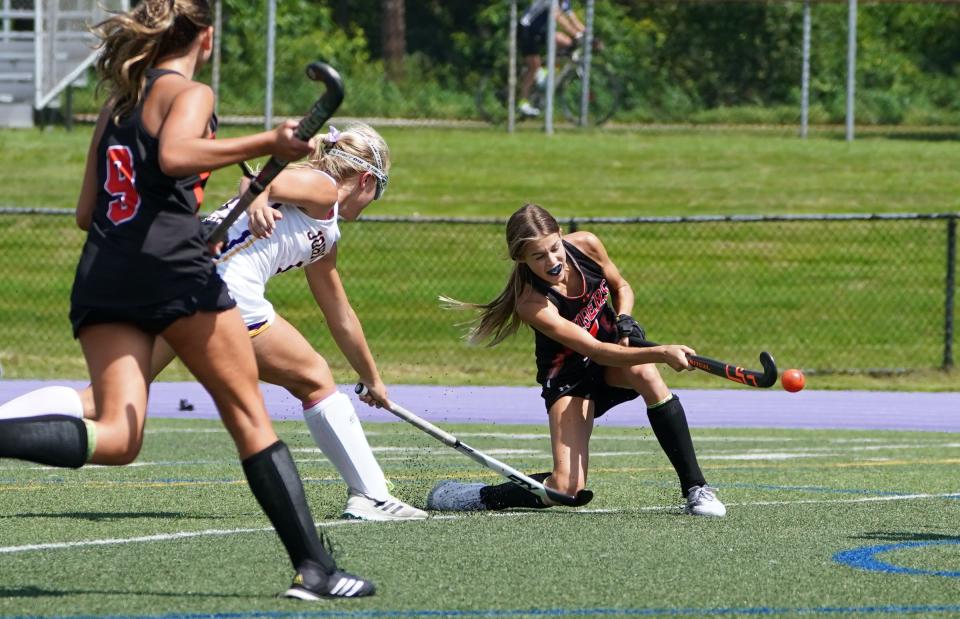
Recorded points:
45,48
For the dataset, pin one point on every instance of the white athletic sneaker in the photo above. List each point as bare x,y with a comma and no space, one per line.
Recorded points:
528,110
703,501
455,496
360,507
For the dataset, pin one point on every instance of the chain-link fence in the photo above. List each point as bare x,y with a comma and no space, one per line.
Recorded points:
824,293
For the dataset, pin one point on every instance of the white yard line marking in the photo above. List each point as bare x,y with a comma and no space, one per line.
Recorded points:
761,456
869,499
600,436
706,454
433,451
164,537
445,453
160,537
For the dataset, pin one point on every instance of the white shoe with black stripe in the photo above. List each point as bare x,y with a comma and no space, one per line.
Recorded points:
362,507
311,584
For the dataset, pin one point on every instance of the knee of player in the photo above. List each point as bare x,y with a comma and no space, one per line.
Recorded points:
118,453
648,374
311,382
312,378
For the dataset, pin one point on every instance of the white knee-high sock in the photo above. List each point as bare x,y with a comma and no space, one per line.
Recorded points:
336,430
44,401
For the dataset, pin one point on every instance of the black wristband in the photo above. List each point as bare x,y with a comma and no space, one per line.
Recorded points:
628,327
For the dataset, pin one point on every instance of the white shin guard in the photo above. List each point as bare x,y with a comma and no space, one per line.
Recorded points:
336,430
44,401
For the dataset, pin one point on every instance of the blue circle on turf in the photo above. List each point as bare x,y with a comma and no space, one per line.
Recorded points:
865,558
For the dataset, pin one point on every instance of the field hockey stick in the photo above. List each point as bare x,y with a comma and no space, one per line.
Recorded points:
751,378
527,483
319,113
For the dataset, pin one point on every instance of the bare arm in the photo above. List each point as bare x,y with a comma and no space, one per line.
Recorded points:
536,311
345,327
313,191
568,22
87,201
620,289
185,148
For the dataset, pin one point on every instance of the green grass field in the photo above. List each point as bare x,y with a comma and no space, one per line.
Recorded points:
484,172
819,296
180,534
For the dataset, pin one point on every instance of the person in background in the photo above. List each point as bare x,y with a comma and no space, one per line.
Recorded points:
532,37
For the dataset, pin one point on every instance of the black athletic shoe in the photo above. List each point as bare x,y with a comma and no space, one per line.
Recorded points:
311,584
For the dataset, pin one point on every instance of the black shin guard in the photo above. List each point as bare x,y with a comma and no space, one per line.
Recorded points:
274,480
510,494
669,424
53,440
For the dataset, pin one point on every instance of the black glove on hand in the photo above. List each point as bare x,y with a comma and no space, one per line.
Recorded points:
628,327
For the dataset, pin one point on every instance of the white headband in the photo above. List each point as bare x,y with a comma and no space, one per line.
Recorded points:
376,170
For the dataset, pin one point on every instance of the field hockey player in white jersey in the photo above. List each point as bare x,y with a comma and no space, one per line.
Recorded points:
291,225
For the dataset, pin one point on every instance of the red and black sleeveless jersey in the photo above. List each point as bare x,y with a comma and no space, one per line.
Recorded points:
558,365
144,245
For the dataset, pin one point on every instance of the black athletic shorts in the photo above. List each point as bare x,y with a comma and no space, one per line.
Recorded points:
531,41
154,319
590,386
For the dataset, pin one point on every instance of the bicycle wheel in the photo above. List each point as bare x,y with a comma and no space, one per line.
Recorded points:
604,98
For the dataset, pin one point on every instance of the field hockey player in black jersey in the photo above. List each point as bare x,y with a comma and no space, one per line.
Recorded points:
145,271
569,291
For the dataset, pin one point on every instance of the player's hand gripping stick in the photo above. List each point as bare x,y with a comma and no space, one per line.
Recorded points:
751,378
320,113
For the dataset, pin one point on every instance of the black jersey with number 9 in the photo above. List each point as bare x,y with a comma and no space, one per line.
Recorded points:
144,244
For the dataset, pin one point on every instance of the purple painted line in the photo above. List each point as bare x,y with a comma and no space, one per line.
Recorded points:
713,408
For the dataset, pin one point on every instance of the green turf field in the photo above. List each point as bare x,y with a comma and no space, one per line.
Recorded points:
180,534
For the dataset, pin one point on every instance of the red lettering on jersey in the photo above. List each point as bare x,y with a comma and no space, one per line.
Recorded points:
122,184
586,318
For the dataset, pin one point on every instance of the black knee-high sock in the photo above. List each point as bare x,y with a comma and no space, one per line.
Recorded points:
53,440
274,480
669,424
510,494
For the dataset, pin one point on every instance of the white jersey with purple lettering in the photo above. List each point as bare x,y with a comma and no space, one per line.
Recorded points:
246,263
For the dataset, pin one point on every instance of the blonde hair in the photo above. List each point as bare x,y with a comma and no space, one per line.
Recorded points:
358,141
498,319
132,42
